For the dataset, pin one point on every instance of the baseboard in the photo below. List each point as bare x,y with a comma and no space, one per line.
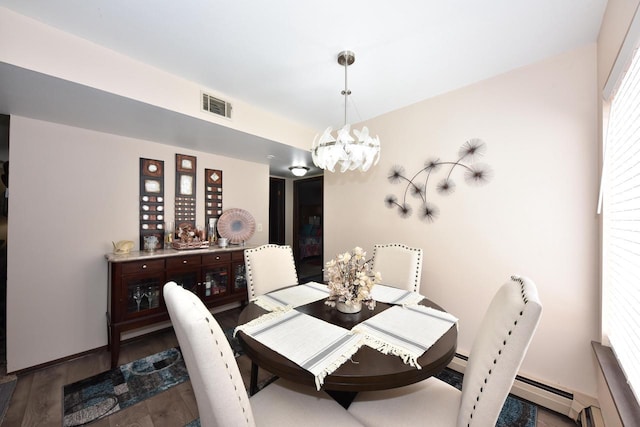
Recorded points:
561,401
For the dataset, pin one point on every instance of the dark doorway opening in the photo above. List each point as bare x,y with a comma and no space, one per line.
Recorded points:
277,211
4,212
308,228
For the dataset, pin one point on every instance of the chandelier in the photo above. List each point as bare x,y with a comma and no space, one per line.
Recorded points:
351,153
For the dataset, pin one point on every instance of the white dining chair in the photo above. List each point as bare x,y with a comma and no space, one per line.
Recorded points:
217,384
399,265
268,268
496,355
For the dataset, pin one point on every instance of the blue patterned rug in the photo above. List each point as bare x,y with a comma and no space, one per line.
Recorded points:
7,385
104,394
99,396
515,412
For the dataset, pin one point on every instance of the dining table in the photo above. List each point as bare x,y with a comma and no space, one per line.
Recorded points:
365,370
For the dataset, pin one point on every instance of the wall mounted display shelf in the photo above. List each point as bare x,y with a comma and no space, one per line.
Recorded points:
185,212
151,204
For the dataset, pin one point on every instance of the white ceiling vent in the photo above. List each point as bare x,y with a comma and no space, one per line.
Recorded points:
216,106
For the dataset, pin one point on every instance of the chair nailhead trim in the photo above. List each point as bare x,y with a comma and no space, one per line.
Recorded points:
416,282
518,280
244,410
249,272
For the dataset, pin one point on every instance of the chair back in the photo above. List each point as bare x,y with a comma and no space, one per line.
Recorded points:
498,351
217,384
399,265
269,267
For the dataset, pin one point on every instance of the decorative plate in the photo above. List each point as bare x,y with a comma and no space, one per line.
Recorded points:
237,225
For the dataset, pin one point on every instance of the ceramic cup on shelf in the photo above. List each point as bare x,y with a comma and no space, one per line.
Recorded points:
223,242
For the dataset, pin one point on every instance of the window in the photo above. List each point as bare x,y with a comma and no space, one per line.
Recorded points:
621,225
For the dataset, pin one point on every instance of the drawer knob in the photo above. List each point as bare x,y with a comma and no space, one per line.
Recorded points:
217,258
184,261
144,266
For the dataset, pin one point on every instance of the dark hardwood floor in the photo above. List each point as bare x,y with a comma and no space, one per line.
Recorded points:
37,399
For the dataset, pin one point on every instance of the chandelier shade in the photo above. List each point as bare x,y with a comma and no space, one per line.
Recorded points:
349,152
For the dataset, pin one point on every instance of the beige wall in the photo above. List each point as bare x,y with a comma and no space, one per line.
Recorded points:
536,218
30,44
73,192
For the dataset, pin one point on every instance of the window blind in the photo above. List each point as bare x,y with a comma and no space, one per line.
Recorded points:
621,226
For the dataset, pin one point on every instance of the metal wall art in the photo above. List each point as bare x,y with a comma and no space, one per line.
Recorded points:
151,204
185,209
417,184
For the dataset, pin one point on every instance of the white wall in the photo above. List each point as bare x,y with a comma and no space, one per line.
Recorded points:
27,43
536,218
73,192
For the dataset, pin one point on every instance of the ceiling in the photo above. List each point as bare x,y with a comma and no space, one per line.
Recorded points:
281,56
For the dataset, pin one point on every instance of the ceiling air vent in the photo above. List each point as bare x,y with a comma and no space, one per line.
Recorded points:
216,106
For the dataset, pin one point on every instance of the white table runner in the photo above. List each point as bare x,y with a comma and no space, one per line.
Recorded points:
406,332
315,345
391,295
292,297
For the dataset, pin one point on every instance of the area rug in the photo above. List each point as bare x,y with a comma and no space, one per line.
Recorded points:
7,385
515,412
104,394
99,396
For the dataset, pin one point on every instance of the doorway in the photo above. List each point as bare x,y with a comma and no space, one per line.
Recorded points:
277,211
4,203
308,228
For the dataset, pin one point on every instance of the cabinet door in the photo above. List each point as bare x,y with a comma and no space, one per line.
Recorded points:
188,279
239,284
143,294
239,277
215,282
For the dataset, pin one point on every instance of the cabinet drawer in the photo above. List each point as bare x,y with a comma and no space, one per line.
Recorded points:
142,266
237,255
183,261
214,258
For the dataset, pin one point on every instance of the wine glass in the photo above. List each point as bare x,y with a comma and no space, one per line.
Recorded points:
150,296
137,296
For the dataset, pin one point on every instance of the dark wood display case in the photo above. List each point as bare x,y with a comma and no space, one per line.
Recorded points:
216,275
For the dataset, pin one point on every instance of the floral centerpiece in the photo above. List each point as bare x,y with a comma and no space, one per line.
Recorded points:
350,279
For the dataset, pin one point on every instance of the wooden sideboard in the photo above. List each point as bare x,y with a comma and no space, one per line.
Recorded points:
136,279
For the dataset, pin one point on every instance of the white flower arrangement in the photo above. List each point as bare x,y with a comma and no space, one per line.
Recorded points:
350,279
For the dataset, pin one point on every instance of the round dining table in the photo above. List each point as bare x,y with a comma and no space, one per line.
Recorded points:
368,369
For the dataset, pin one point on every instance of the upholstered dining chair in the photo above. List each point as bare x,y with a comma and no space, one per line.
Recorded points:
399,265
269,267
497,352
217,384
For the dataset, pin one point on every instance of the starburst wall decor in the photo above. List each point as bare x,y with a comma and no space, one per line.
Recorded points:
418,184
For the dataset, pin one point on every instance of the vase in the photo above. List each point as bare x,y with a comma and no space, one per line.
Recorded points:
349,309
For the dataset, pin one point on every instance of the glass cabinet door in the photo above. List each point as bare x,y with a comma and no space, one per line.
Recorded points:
143,294
187,279
215,282
239,277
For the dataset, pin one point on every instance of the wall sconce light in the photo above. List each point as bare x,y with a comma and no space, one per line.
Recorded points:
299,170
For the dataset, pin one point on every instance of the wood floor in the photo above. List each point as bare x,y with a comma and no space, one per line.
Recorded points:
37,399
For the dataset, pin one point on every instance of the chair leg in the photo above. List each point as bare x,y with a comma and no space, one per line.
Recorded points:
253,385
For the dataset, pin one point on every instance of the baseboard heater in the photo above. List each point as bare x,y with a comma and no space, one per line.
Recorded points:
553,398
591,417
